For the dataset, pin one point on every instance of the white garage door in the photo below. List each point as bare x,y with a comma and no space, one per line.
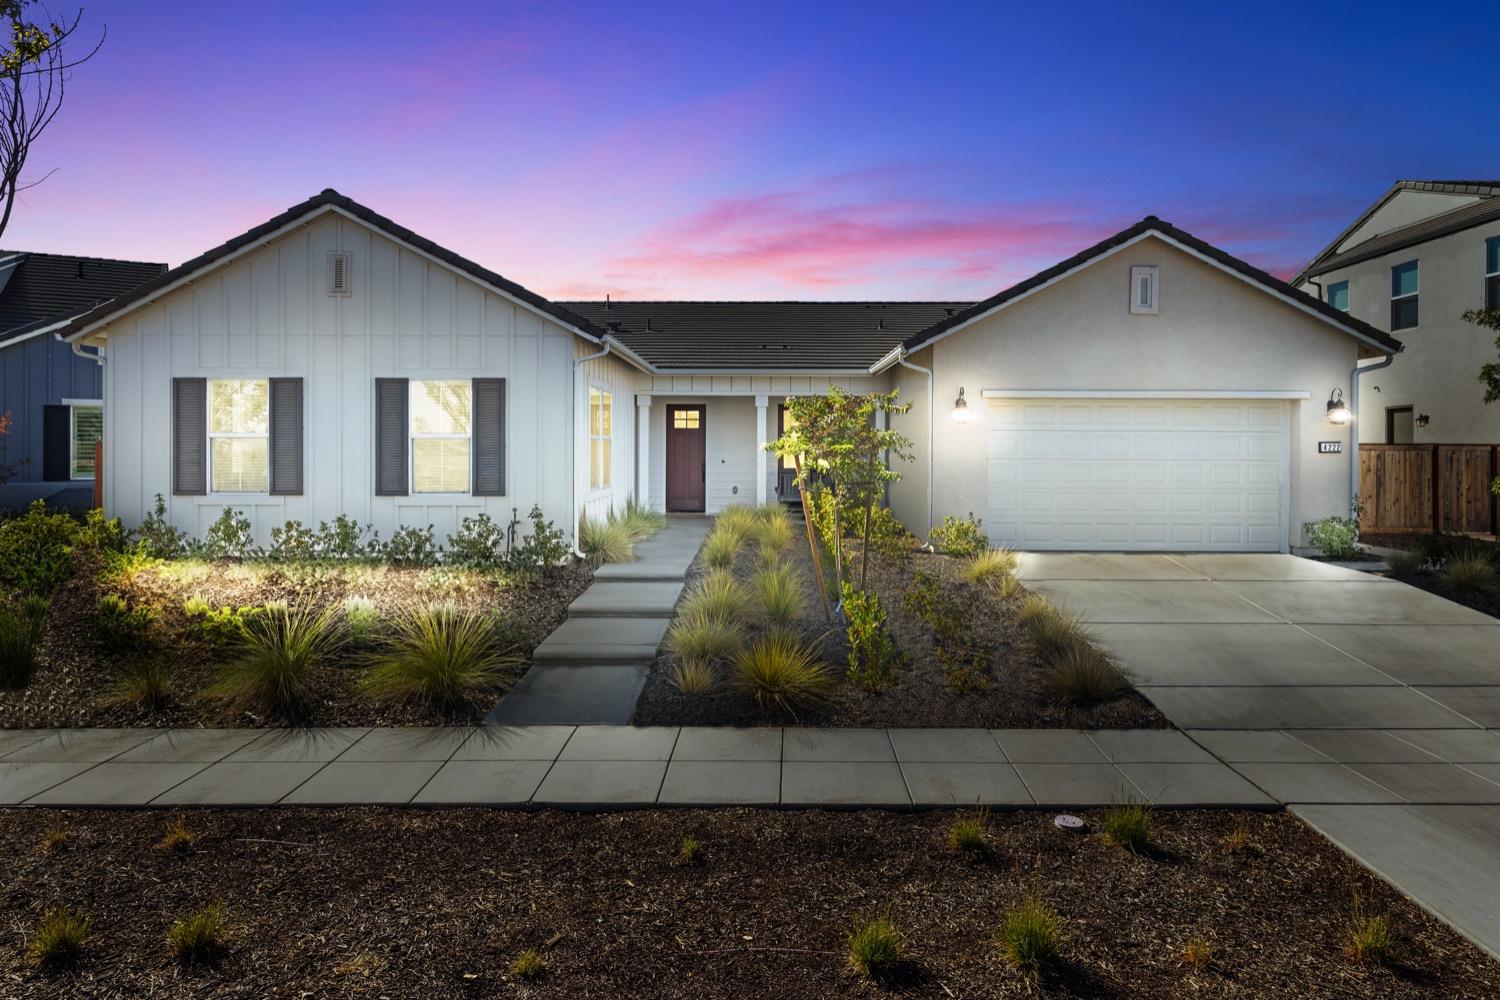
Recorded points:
1144,474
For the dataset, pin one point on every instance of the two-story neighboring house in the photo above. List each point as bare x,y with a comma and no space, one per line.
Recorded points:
1411,265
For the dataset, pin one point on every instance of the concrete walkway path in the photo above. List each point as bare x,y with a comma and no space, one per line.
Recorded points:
1366,705
591,670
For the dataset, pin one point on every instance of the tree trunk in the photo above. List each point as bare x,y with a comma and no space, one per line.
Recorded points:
864,552
812,543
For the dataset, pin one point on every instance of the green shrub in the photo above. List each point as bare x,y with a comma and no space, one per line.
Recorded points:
229,537
221,627
529,964
781,672
1030,936
442,657
780,593
58,938
156,538
1405,562
199,936
279,651
345,540
888,536
293,542
410,546
101,534
36,550
361,619
694,677
545,547
119,629
479,543
989,568
718,596
1371,939
1336,537
640,521
875,948
966,834
605,541
1472,574
872,655
1128,827
19,634
696,637
721,548
146,682
1083,675
960,536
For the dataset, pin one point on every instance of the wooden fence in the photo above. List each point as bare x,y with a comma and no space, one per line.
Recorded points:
1428,487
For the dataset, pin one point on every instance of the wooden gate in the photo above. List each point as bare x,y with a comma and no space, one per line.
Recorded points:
1428,487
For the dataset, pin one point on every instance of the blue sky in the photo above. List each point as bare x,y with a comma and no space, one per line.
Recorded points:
762,151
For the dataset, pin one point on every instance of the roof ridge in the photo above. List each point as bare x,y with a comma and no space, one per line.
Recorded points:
81,257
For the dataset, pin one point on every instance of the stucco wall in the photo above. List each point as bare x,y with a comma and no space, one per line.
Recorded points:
1437,373
1213,332
267,314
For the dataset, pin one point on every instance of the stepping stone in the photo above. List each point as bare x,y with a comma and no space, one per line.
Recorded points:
571,696
627,599
599,641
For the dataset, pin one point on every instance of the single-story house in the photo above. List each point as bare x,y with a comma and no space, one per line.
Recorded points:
1151,392
54,397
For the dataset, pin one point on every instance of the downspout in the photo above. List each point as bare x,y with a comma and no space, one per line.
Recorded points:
901,360
1354,424
580,422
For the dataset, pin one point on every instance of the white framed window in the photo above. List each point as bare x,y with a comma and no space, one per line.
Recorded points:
601,438
1143,297
1405,283
1338,295
239,435
85,429
441,411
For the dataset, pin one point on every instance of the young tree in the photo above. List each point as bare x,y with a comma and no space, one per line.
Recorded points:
1489,373
34,71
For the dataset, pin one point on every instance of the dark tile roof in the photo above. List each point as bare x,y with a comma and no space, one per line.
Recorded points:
46,287
1152,224
330,197
763,335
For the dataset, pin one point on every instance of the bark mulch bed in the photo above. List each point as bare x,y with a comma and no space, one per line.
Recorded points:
1012,696
1432,581
437,904
74,683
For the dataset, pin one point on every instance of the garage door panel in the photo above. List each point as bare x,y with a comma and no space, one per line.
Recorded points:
1154,474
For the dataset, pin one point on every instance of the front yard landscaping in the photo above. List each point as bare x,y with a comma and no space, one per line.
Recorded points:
1456,567
728,903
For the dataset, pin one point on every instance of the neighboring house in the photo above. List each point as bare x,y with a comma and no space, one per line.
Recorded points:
53,396
1412,264
1150,393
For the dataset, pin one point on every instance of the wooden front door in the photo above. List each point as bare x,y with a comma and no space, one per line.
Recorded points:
687,457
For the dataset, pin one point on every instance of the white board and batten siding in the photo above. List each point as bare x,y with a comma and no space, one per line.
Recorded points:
621,381
269,314
1138,474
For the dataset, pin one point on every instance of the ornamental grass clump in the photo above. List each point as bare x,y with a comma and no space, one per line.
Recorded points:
743,523
1030,936
875,948
1083,675
966,834
780,593
721,548
1127,827
146,682
198,938
20,632
782,672
278,653
605,541
697,637
442,657
1473,573
1403,563
694,677
989,568
58,939
1052,630
1370,939
718,596
640,521
528,965
773,532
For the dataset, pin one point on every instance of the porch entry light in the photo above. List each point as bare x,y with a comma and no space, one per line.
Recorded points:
960,408
1338,413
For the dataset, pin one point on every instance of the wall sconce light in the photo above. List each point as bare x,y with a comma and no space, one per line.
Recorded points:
960,408
1338,413
1422,419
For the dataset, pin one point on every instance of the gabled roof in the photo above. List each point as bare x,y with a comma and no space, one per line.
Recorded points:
1151,225
1443,224
749,336
39,289
330,200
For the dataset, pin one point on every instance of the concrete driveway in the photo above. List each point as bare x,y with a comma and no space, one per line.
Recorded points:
1367,706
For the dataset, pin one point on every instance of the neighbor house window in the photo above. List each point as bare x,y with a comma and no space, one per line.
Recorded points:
601,438
1404,295
1492,273
86,427
440,426
239,425
1338,295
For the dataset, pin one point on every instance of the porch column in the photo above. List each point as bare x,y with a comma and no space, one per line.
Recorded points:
762,468
643,450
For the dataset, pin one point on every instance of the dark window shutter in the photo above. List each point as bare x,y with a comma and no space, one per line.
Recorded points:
286,437
189,436
56,444
390,437
489,437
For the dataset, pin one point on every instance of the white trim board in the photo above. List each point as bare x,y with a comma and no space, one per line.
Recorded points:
1144,394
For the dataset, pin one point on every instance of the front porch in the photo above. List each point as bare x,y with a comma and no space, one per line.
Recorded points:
703,452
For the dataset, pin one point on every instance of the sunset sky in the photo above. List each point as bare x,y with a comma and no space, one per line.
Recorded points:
806,150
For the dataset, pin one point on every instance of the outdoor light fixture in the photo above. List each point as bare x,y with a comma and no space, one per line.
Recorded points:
1338,413
1422,419
960,408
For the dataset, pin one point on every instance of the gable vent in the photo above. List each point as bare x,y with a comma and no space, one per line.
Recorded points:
338,274
1143,292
